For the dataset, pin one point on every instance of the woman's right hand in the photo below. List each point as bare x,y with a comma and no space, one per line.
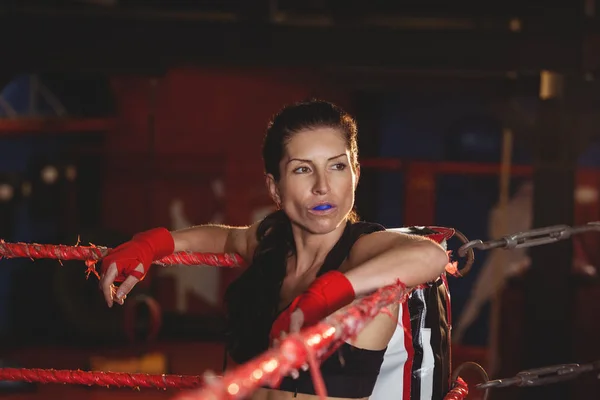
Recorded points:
129,263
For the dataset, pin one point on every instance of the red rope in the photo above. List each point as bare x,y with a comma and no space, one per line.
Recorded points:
459,391
91,254
315,343
320,341
98,378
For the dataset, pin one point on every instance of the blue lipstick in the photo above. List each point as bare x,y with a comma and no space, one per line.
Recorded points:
322,207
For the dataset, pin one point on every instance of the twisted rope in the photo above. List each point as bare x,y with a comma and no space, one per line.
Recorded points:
314,343
99,378
459,391
91,254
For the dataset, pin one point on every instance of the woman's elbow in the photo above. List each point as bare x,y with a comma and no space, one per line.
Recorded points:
435,259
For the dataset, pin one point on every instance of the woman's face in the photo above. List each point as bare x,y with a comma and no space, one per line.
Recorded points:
317,181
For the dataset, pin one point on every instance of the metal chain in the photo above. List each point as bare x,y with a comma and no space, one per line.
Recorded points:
533,237
542,376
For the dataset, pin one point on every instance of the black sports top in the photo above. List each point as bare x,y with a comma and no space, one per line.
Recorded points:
351,372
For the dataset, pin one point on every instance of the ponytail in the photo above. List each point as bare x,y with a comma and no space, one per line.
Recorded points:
249,317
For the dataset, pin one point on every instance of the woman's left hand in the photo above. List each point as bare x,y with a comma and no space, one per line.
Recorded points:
296,322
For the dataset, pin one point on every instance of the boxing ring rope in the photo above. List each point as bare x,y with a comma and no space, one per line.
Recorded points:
92,254
306,347
100,378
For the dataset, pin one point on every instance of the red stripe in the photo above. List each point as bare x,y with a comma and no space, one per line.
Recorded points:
409,351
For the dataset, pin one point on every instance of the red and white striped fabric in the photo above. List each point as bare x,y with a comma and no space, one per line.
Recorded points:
416,364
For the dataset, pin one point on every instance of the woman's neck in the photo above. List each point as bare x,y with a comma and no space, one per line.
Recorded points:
312,249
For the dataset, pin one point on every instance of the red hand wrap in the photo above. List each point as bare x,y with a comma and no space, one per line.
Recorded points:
143,248
328,293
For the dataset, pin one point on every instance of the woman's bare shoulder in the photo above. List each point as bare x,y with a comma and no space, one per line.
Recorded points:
243,241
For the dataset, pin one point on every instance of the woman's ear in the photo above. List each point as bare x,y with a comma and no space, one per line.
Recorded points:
273,190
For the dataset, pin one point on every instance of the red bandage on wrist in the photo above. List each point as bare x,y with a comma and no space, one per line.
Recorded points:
143,248
327,294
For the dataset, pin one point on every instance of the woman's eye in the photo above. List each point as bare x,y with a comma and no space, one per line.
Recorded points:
339,166
301,170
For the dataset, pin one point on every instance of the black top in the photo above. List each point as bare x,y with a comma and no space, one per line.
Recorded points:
351,372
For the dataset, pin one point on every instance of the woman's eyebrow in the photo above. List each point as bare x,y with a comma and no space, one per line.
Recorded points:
309,161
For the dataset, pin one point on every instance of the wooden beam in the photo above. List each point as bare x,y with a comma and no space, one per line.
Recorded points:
550,291
12,126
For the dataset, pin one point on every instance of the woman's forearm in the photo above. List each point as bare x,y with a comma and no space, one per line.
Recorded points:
412,264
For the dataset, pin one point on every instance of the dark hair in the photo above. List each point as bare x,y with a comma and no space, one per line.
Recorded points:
305,116
252,300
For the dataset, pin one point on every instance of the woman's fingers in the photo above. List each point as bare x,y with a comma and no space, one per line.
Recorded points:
295,374
118,300
128,283
113,294
106,283
296,321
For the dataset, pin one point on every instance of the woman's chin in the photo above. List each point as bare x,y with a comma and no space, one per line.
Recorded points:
322,226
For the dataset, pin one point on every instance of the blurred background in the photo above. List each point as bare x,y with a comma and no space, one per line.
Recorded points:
121,115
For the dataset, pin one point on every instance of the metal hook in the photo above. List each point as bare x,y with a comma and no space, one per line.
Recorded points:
479,369
467,251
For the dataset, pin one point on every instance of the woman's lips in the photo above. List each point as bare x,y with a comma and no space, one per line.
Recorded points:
323,209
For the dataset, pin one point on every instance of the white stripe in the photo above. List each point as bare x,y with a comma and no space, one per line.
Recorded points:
426,371
390,382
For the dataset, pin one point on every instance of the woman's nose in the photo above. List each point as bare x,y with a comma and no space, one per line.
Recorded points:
321,184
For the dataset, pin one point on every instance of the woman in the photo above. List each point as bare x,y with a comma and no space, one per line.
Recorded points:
306,260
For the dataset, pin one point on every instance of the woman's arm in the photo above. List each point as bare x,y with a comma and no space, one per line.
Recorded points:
217,239
381,258
376,260
130,261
